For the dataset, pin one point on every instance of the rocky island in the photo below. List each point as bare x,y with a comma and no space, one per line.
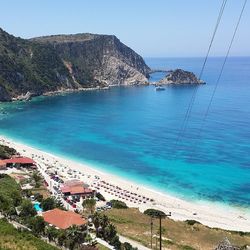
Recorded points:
31,67
180,76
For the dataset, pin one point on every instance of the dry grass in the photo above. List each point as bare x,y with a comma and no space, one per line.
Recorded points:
101,247
135,225
10,242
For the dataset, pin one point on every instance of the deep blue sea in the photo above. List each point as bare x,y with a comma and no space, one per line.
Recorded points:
132,131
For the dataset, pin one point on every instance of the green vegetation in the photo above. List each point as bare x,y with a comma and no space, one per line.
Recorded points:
51,63
27,209
89,205
37,179
107,231
48,204
37,225
154,213
6,152
28,66
192,222
101,247
10,195
100,197
21,210
118,204
11,238
176,234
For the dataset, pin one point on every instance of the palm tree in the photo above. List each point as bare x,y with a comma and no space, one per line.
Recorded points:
52,233
37,179
89,204
109,232
75,236
104,220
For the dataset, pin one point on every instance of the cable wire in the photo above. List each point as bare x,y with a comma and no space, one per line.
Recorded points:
191,102
220,74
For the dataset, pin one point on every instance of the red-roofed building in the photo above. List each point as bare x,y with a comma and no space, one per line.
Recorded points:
63,219
2,165
77,188
20,161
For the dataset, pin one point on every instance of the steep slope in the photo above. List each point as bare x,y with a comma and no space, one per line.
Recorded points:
27,66
61,62
98,59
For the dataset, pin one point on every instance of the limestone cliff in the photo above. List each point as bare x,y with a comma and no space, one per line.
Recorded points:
98,59
54,63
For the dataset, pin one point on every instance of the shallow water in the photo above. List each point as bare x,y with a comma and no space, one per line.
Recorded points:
132,131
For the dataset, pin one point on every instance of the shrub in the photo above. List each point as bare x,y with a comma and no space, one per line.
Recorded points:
6,152
187,248
27,209
48,204
37,225
192,222
100,197
118,204
89,204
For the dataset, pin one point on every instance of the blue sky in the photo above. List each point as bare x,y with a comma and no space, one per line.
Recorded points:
150,27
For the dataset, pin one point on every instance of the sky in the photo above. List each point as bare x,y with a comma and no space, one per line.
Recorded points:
153,28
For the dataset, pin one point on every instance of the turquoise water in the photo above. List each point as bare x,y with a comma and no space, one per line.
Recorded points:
132,131
37,207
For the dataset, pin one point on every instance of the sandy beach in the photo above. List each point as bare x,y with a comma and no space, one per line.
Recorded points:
210,214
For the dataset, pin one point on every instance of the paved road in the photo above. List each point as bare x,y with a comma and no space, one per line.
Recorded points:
133,243
122,239
104,243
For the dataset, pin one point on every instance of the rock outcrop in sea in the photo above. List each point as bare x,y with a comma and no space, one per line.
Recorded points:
180,76
65,63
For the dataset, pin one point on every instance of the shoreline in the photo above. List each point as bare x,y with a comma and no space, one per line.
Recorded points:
30,96
208,213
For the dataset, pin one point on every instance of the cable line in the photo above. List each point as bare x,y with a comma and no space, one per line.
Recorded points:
191,102
221,72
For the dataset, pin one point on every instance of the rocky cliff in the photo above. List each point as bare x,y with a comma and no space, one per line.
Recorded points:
180,76
98,59
55,63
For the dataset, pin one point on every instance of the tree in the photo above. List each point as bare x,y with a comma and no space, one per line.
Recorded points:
62,237
116,242
37,179
38,197
118,204
89,204
6,152
5,204
75,237
109,232
37,225
52,233
26,192
48,204
100,197
154,213
16,198
27,209
127,246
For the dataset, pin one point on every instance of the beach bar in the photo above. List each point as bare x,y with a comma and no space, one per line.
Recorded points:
77,188
24,162
2,165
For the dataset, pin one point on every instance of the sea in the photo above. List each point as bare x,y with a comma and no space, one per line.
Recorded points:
147,136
